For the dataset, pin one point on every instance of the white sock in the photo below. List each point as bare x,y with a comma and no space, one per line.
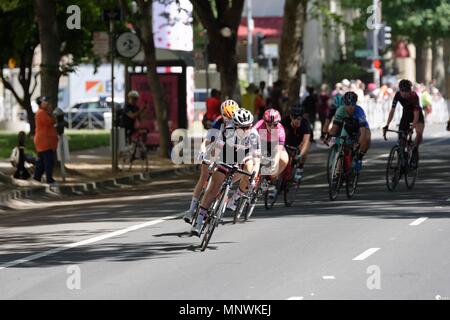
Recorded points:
194,203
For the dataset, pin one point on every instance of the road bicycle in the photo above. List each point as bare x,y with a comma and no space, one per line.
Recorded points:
340,167
216,211
136,150
287,183
403,160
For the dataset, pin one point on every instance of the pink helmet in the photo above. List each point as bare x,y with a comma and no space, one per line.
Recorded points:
272,116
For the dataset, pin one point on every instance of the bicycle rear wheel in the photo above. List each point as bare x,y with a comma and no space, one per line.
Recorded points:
393,169
336,177
412,168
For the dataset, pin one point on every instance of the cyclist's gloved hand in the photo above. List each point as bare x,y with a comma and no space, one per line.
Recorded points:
299,158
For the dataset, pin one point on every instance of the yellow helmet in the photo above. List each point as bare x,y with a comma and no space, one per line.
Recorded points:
228,107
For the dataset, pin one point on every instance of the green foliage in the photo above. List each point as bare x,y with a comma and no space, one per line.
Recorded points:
335,72
418,20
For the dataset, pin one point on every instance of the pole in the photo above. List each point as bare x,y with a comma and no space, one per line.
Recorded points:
206,58
376,74
249,41
113,107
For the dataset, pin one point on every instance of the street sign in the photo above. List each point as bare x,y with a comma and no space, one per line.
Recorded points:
128,45
363,53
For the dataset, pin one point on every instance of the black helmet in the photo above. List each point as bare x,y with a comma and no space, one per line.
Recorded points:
296,110
41,99
350,98
405,85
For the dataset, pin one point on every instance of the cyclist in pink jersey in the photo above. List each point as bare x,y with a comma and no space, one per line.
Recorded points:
273,138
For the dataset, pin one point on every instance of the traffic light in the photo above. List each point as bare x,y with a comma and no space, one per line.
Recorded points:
260,46
385,37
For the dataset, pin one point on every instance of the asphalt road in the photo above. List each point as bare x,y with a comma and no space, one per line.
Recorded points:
133,244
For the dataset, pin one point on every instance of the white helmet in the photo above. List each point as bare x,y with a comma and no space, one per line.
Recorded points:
133,94
242,118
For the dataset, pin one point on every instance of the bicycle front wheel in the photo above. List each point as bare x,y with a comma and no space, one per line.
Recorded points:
291,190
393,169
351,183
412,168
336,177
213,220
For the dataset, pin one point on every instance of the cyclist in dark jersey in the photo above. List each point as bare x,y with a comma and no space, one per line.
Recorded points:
412,112
298,134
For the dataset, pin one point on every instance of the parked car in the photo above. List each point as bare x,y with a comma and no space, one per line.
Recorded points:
89,113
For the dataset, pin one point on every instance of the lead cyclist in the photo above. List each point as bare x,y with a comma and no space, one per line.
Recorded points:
227,110
240,145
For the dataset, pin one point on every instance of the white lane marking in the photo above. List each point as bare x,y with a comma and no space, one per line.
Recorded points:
366,254
295,298
328,277
102,200
86,242
418,221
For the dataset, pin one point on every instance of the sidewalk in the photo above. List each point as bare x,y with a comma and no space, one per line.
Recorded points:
86,171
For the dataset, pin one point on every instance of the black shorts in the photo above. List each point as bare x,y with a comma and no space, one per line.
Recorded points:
408,118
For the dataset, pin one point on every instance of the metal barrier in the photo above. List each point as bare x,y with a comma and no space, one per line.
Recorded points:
377,112
86,119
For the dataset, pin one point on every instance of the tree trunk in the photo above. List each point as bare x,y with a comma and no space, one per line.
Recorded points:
226,60
291,48
447,67
438,64
146,28
50,45
229,15
420,73
30,114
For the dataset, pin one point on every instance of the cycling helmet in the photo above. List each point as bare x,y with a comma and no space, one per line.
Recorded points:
350,98
296,111
242,118
228,108
133,94
405,85
272,116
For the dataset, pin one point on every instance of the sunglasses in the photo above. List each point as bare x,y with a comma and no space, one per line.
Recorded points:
273,124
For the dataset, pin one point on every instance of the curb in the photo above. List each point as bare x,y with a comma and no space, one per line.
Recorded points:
92,187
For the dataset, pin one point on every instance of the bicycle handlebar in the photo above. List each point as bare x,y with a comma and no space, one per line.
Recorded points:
235,168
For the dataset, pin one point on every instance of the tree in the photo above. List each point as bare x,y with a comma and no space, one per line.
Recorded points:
21,46
221,19
50,48
291,48
143,25
421,22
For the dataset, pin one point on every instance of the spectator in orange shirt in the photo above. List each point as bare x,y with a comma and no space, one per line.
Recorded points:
45,140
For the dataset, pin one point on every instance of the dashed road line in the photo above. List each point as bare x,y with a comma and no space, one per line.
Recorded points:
418,221
366,254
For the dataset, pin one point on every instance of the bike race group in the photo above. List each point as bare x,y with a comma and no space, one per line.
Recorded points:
265,158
